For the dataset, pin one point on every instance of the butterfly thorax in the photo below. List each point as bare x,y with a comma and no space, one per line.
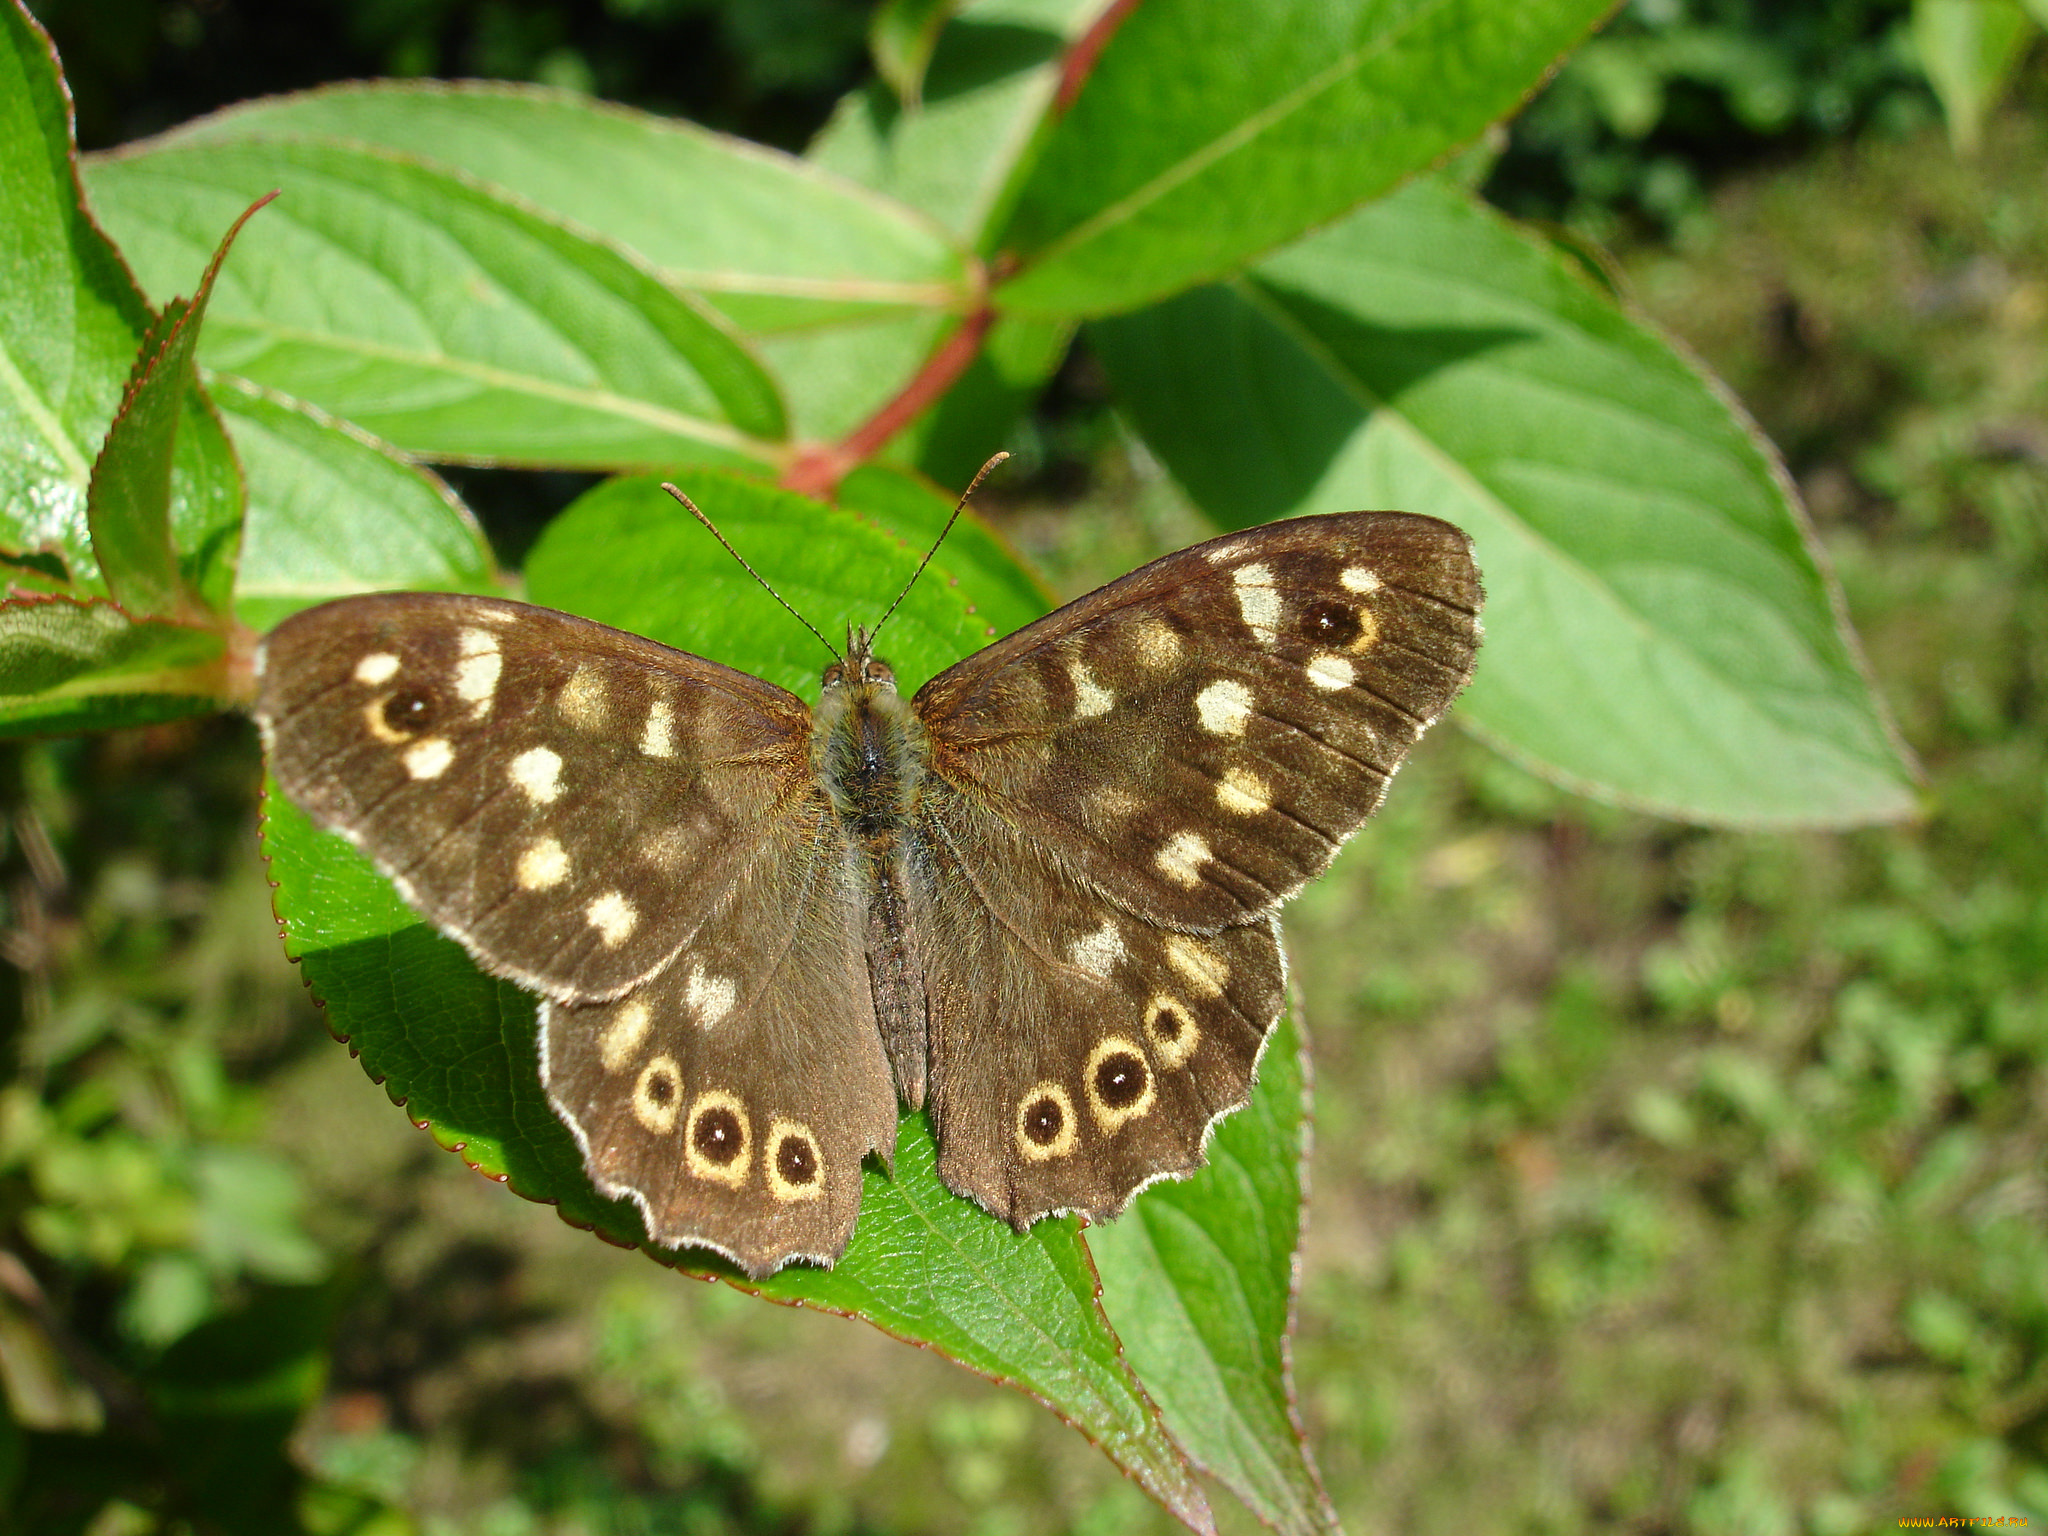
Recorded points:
870,762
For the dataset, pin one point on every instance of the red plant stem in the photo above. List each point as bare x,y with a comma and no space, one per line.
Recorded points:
1080,60
818,469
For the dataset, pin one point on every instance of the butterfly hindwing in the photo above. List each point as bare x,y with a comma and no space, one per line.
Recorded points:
734,1096
1198,738
561,797
1077,1052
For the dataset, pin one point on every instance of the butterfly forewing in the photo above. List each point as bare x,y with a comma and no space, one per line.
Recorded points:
1199,738
562,798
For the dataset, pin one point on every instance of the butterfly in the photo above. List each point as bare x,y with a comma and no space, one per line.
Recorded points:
1037,899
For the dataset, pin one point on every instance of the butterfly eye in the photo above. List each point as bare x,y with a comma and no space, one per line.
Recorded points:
835,675
879,672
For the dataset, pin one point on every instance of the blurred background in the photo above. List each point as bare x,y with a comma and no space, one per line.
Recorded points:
1665,1179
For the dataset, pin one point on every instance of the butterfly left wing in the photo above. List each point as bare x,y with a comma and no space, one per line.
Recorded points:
1120,797
734,1096
564,799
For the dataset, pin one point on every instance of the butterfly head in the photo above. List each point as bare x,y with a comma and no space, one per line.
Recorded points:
860,666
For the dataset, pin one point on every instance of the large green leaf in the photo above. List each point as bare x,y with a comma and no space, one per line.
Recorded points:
1212,131
71,326
1659,628
71,664
1199,1281
775,243
333,512
450,320
459,1048
955,158
843,289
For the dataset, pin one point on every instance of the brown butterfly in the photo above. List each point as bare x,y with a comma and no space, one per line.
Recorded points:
1037,898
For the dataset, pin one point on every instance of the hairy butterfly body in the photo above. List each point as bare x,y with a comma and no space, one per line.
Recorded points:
1037,898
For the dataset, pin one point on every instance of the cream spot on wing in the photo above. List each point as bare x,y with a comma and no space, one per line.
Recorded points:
1223,554
710,997
1118,1082
476,675
658,1095
1171,1029
613,917
542,866
377,667
1045,1123
582,699
1356,578
1156,644
428,759
1097,952
658,738
1223,707
1258,601
1182,858
1201,967
794,1165
715,1146
1110,804
1243,793
1090,697
620,1042
373,717
538,773
666,848
1368,633
1330,672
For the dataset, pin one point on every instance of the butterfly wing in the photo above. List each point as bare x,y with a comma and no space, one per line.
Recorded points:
1197,739
1077,1052
1120,797
734,1096
566,800
637,834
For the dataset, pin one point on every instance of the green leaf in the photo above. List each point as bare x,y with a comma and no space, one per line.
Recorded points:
1969,49
310,476
1659,629
1211,131
1199,1281
70,664
955,159
901,36
439,315
773,242
128,506
990,84
459,1048
71,324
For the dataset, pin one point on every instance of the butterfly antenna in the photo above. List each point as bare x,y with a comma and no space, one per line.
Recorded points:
958,507
765,587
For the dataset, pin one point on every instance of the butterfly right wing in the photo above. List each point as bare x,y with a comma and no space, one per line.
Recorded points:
566,800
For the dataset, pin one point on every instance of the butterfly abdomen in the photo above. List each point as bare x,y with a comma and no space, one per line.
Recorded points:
871,770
